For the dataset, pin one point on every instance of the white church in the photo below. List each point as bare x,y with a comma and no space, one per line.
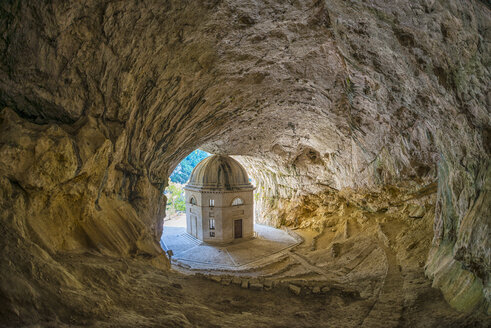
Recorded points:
219,201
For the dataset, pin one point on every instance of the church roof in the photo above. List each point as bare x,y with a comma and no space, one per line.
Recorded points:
219,172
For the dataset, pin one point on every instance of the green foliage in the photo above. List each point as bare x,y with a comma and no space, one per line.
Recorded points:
175,192
183,171
175,198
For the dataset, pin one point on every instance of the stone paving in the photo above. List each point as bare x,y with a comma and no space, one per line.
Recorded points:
191,253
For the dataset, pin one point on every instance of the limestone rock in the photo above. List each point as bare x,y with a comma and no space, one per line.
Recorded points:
325,289
335,249
416,211
256,286
226,281
303,314
216,278
295,289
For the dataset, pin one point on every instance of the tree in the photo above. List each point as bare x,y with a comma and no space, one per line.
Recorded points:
183,171
175,192
175,198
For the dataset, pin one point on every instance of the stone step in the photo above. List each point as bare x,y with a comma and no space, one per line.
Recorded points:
191,239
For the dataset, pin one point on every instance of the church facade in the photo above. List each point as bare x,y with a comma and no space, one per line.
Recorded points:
219,201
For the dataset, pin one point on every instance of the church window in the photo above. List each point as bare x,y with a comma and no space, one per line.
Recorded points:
237,201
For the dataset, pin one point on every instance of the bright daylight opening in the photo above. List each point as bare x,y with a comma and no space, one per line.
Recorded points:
176,204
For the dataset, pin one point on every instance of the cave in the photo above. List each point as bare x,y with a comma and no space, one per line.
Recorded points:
365,125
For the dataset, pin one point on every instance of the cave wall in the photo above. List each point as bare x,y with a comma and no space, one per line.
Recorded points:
101,100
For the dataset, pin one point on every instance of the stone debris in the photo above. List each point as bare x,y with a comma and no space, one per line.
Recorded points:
325,289
226,281
360,218
254,281
178,286
295,289
346,233
382,236
216,278
416,211
302,314
335,249
256,286
268,284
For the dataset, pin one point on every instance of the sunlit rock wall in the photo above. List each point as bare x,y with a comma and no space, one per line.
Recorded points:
65,193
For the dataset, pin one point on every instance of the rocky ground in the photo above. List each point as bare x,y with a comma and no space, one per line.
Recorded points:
359,269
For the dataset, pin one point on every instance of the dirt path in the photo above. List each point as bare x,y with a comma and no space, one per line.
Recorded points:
386,311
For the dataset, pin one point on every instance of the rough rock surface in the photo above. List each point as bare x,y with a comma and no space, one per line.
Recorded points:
328,103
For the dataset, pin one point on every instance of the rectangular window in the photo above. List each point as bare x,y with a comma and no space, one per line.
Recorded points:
212,202
212,224
212,233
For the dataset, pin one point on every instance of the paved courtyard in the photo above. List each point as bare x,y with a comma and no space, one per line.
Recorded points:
192,253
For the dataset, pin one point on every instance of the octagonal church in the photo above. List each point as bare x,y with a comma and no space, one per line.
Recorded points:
219,201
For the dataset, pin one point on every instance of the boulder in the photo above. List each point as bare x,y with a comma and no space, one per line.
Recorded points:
295,289
416,211
256,286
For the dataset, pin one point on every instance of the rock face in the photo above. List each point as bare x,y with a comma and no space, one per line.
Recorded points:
328,103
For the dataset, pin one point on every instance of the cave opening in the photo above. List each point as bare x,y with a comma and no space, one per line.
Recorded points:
175,210
174,192
364,124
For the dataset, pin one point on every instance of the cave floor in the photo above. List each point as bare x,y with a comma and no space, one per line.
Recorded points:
268,246
353,273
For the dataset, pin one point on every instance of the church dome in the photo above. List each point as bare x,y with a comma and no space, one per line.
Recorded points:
219,172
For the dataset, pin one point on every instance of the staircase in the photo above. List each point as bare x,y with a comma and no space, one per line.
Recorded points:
191,239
